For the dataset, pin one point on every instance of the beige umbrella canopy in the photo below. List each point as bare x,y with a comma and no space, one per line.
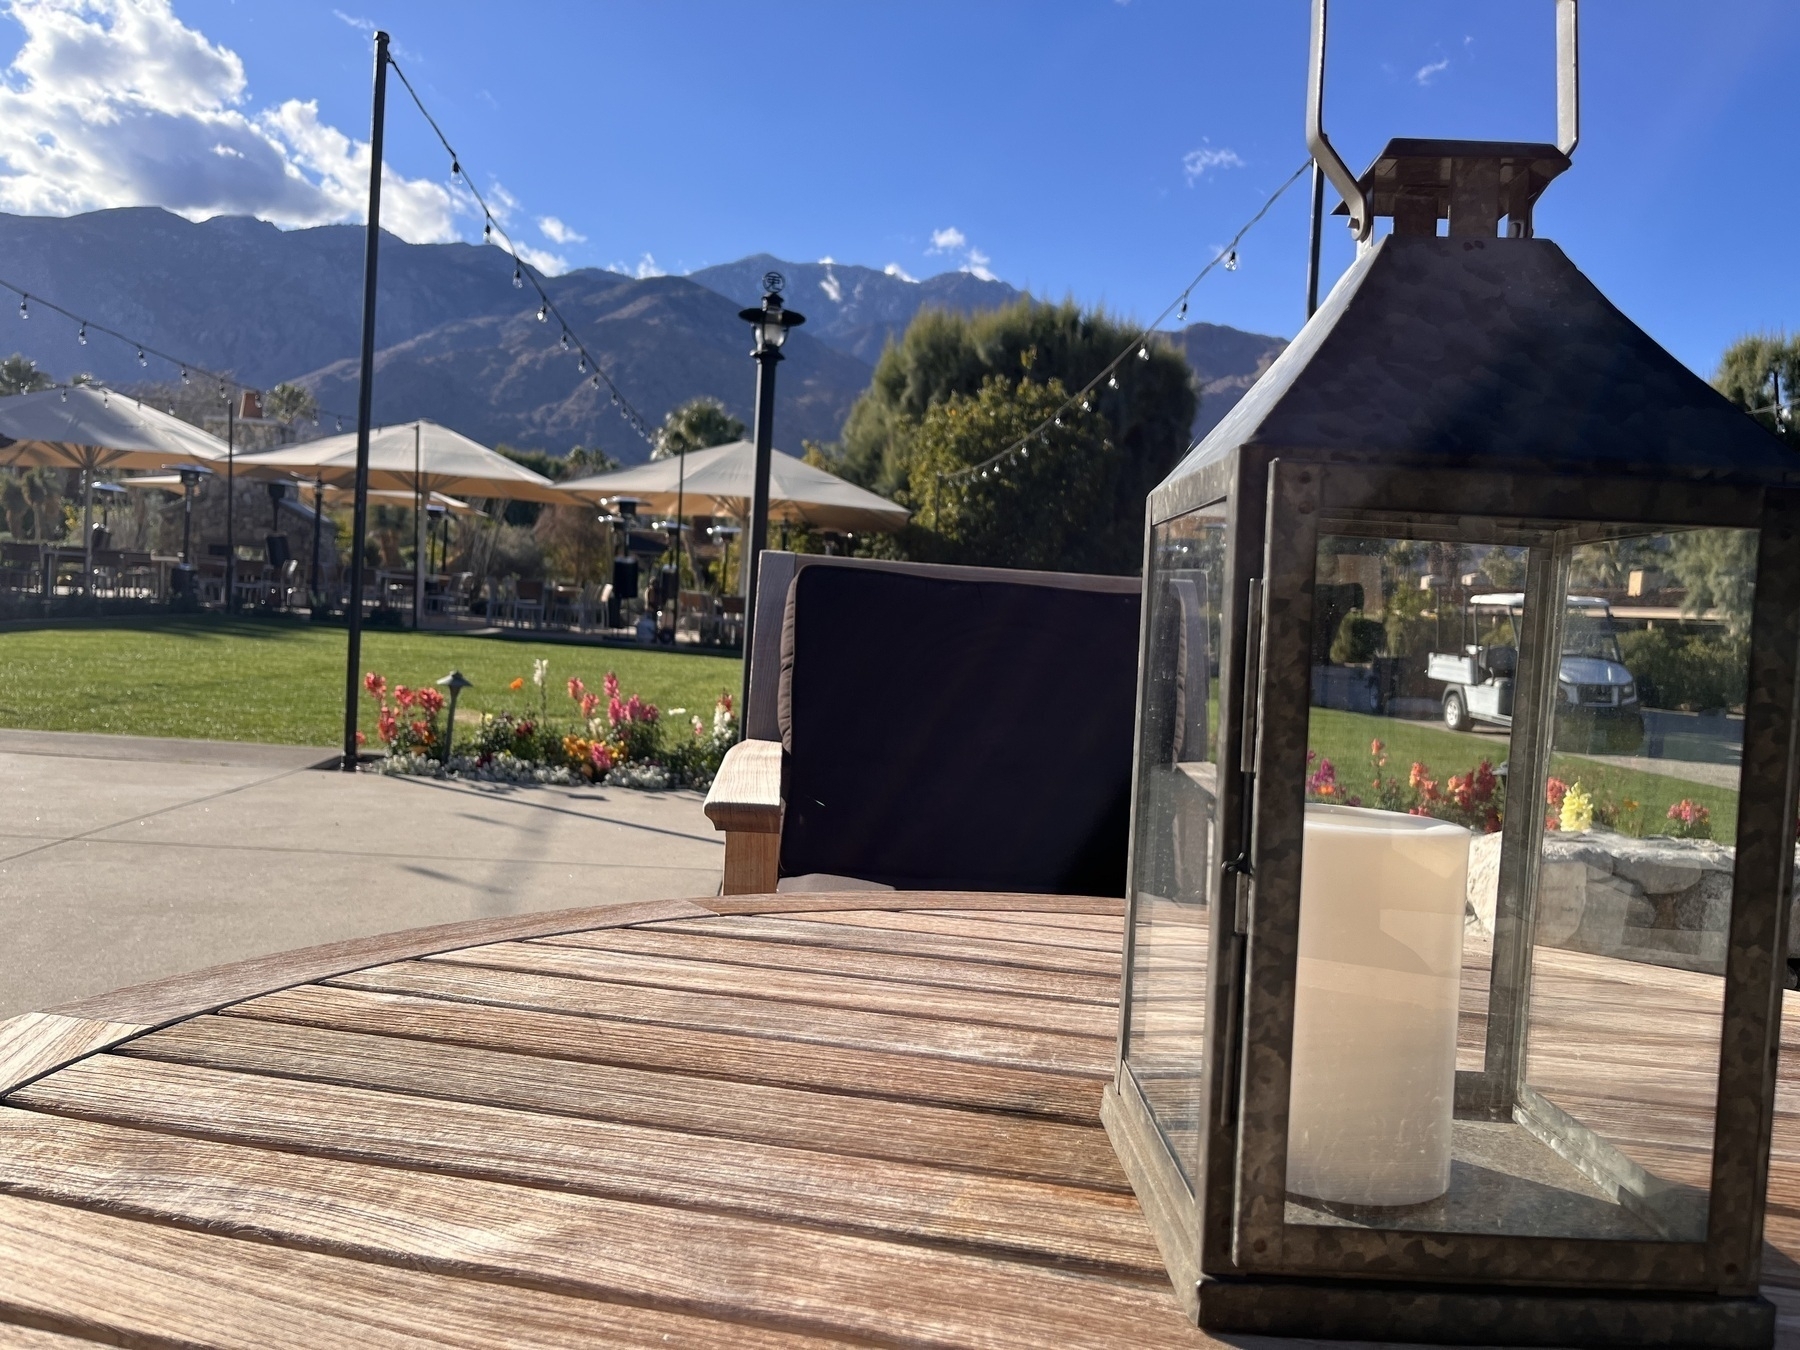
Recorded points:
414,457
337,496
91,429
417,457
722,478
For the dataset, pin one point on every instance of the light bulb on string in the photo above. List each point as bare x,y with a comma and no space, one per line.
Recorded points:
24,313
455,168
487,230
184,375
1085,405
564,341
615,397
1183,314
1143,353
596,379
142,359
340,424
581,364
65,395
543,311
1231,261
1058,419
1112,381
81,335
518,277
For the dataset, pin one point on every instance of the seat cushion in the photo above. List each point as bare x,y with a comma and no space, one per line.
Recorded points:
956,734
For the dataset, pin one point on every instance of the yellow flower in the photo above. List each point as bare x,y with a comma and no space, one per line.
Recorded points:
1577,810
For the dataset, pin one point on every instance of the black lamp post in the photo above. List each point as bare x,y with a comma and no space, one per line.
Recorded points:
769,323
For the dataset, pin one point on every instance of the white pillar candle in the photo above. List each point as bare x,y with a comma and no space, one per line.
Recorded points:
1374,1080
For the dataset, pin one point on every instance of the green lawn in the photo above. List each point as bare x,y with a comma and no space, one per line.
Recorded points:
280,681
1344,737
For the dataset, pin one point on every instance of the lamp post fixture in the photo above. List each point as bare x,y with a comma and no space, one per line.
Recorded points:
455,682
192,475
769,323
1320,1149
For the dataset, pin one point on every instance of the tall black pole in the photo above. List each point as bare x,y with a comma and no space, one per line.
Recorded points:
767,356
1312,256
231,506
364,395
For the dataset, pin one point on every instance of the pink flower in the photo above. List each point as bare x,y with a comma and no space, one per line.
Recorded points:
576,688
601,756
374,684
403,696
589,702
430,700
612,685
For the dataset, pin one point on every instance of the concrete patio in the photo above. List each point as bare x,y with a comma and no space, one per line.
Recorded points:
125,859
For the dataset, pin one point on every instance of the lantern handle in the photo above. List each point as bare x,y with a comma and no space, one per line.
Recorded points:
1324,154
1568,77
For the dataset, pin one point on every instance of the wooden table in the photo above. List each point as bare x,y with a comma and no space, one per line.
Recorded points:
753,1122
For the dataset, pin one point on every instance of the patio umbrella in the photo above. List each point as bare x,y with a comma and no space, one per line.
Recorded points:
723,475
91,429
418,457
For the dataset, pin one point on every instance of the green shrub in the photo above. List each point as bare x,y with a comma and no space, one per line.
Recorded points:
1678,670
1359,640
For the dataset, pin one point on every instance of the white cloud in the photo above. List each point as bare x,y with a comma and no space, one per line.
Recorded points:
550,264
118,103
1196,163
558,233
977,265
896,270
827,261
952,240
646,267
361,25
1427,73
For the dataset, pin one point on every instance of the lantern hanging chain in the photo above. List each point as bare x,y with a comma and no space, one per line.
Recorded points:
524,272
1226,257
189,369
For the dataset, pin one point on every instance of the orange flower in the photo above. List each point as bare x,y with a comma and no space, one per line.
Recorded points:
517,684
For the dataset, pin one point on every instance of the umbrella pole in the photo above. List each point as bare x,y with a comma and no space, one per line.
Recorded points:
312,583
418,536
87,531
364,394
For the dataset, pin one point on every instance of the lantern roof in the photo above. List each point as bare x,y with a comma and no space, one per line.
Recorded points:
1444,352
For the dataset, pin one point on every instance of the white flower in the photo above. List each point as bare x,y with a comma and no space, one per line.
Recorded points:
539,668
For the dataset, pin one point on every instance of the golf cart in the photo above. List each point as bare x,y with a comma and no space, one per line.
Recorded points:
1597,700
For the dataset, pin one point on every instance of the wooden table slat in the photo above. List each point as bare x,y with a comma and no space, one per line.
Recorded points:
579,1244
959,1140
717,1055
980,927
746,947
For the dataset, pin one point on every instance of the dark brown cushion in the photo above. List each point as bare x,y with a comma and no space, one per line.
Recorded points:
957,734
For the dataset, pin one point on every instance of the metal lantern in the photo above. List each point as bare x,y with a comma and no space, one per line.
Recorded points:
1443,1020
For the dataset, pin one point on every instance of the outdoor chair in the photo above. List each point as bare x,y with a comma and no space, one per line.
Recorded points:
22,567
527,604
932,728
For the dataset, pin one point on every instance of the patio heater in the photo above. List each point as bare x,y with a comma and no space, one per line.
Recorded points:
192,475
769,322
1318,1152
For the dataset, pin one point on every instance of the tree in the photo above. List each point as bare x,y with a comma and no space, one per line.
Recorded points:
695,425
1718,568
290,403
1761,374
942,356
20,375
1034,510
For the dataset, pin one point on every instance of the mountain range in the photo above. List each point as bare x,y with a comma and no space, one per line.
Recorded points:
458,342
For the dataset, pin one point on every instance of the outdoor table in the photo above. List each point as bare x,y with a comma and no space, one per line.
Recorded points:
748,1121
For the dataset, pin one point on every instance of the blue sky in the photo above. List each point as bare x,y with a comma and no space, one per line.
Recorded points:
1076,147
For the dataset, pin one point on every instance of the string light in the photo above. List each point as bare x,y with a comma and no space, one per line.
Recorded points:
24,313
521,273
184,375
142,359
1182,316
81,335
1225,257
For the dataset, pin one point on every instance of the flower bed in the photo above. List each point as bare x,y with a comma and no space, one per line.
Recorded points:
609,738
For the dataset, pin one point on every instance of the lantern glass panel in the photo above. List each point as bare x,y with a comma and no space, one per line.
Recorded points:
1425,804
1635,872
1174,871
1406,808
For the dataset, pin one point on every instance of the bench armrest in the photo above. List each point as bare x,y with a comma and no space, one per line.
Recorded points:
745,802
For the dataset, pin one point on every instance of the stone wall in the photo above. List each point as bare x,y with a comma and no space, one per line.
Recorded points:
1662,901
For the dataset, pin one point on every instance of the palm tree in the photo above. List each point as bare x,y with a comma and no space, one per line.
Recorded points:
19,375
695,425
